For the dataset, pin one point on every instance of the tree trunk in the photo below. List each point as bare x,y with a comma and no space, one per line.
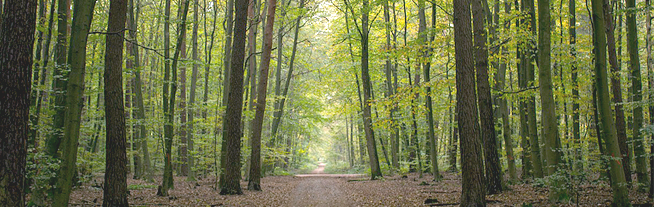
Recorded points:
618,183
473,192
183,147
426,64
576,129
277,116
390,90
168,172
168,117
636,87
616,89
59,81
650,74
257,123
503,105
227,58
194,80
16,45
529,58
492,161
82,18
115,187
375,171
233,113
548,106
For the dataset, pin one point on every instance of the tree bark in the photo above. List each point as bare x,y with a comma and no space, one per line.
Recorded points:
257,123
616,89
473,191
115,187
16,45
618,182
636,87
233,113
489,138
82,18
375,171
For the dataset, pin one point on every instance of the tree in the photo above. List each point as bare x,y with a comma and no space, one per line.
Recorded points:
489,138
168,172
426,64
375,171
60,77
618,182
16,45
616,89
257,123
636,87
82,18
115,178
233,113
473,192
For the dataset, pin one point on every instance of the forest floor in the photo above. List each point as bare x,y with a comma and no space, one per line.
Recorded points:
318,189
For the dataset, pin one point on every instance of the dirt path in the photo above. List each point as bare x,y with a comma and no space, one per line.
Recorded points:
320,189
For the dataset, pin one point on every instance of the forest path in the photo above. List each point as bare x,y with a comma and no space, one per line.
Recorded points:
320,189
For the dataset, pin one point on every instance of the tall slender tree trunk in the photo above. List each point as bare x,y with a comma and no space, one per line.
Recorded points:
530,58
616,89
375,171
279,111
59,81
82,18
503,105
16,45
492,160
636,87
390,90
183,147
576,129
168,125
115,188
650,77
473,191
257,124
618,182
168,171
194,80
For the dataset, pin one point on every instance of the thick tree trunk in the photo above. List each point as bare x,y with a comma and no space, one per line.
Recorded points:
82,18
233,114
257,123
16,45
489,138
473,191
618,182
227,58
115,187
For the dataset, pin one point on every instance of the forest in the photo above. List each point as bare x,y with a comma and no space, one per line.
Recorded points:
326,103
